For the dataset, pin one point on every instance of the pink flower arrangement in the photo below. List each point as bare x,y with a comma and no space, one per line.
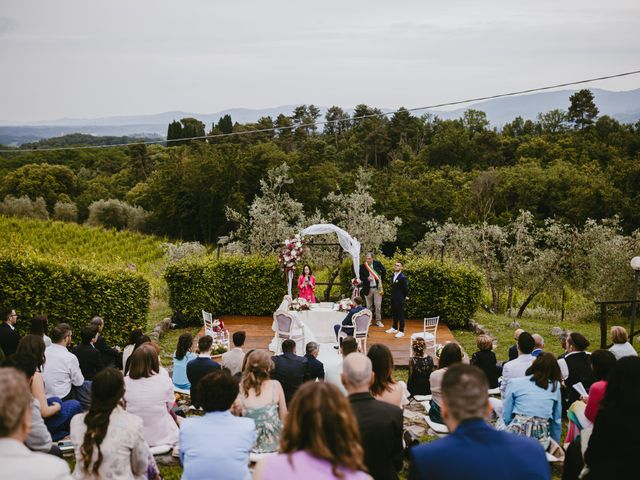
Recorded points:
291,251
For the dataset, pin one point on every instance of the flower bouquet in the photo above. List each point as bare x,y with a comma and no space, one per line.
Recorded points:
299,304
438,349
291,251
345,305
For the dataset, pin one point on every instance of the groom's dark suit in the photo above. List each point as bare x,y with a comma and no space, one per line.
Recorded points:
399,290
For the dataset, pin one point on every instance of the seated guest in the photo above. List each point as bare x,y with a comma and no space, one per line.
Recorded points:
333,368
107,440
40,326
615,444
450,355
56,413
9,336
200,366
142,339
315,368
474,450
134,336
533,404
379,423
61,374
232,360
39,438
230,457
602,362
263,401
538,345
513,349
238,376
88,355
621,346
181,357
486,360
518,367
149,395
16,460
110,356
348,320
289,369
420,368
320,439
575,367
384,386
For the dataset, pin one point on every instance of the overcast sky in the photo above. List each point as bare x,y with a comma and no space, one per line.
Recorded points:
86,58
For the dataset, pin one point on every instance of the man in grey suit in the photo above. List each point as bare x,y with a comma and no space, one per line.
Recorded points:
232,360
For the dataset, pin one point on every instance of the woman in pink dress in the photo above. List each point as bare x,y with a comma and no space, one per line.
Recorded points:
307,284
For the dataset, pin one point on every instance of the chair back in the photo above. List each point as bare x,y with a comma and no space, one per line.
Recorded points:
361,322
284,322
208,323
430,325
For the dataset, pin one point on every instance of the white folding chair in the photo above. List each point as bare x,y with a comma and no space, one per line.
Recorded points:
285,330
429,333
360,323
208,323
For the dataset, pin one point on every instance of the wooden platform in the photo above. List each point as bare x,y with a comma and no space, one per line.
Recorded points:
259,334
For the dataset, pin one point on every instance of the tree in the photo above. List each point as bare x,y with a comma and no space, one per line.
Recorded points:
553,121
583,109
40,180
339,122
225,124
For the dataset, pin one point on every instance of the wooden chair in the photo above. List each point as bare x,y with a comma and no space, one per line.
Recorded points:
429,333
285,330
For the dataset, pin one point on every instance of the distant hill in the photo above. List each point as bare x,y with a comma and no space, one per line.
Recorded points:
623,106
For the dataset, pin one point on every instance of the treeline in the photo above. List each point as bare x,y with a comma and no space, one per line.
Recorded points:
571,165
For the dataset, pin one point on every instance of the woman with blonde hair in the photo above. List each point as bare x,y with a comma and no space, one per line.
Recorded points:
621,346
262,400
320,439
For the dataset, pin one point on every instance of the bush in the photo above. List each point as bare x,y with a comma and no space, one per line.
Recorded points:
450,290
24,207
116,214
65,211
240,285
73,294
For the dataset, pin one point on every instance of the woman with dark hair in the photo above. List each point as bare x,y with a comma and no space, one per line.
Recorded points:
181,357
307,284
134,336
615,444
149,394
450,355
384,386
56,413
320,439
108,440
40,326
141,340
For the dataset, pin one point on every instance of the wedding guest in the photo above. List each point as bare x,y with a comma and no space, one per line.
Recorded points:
486,360
88,355
15,417
201,366
621,346
379,423
181,357
134,336
473,450
348,320
57,413
238,376
307,285
149,395
513,349
263,400
517,368
533,404
233,359
9,337
142,339
111,356
108,441
333,368
229,458
615,444
40,326
603,362
451,354
371,282
289,369
315,368
420,368
575,367
320,439
399,290
538,345
562,338
384,386
61,374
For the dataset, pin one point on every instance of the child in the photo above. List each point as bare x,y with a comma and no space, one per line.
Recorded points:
486,360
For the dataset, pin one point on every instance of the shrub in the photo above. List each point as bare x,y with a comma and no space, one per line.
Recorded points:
241,285
174,252
65,211
116,214
450,290
73,294
24,207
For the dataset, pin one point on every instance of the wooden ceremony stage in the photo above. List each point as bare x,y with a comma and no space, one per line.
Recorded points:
259,334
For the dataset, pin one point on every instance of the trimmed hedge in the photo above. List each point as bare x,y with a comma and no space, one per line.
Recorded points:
450,290
73,294
240,285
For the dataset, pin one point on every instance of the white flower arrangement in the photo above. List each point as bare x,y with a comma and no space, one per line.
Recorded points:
299,304
438,349
345,305
291,251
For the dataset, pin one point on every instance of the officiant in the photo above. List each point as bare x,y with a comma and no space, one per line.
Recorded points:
372,278
307,285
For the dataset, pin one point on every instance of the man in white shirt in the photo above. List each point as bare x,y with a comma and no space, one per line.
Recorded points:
62,375
232,360
517,368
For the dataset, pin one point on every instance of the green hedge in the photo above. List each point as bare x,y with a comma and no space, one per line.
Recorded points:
74,294
240,285
450,290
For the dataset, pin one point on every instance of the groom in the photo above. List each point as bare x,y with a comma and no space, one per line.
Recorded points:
399,290
372,277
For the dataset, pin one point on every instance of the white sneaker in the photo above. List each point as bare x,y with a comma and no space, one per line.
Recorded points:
399,334
391,330
379,324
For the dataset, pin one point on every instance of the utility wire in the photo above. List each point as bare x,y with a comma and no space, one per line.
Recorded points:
328,122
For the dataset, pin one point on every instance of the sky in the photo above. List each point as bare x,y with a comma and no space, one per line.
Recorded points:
90,59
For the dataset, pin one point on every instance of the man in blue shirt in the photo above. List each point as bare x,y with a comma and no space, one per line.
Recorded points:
474,450
228,459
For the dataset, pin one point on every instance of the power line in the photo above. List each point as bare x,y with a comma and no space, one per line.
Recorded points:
328,122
